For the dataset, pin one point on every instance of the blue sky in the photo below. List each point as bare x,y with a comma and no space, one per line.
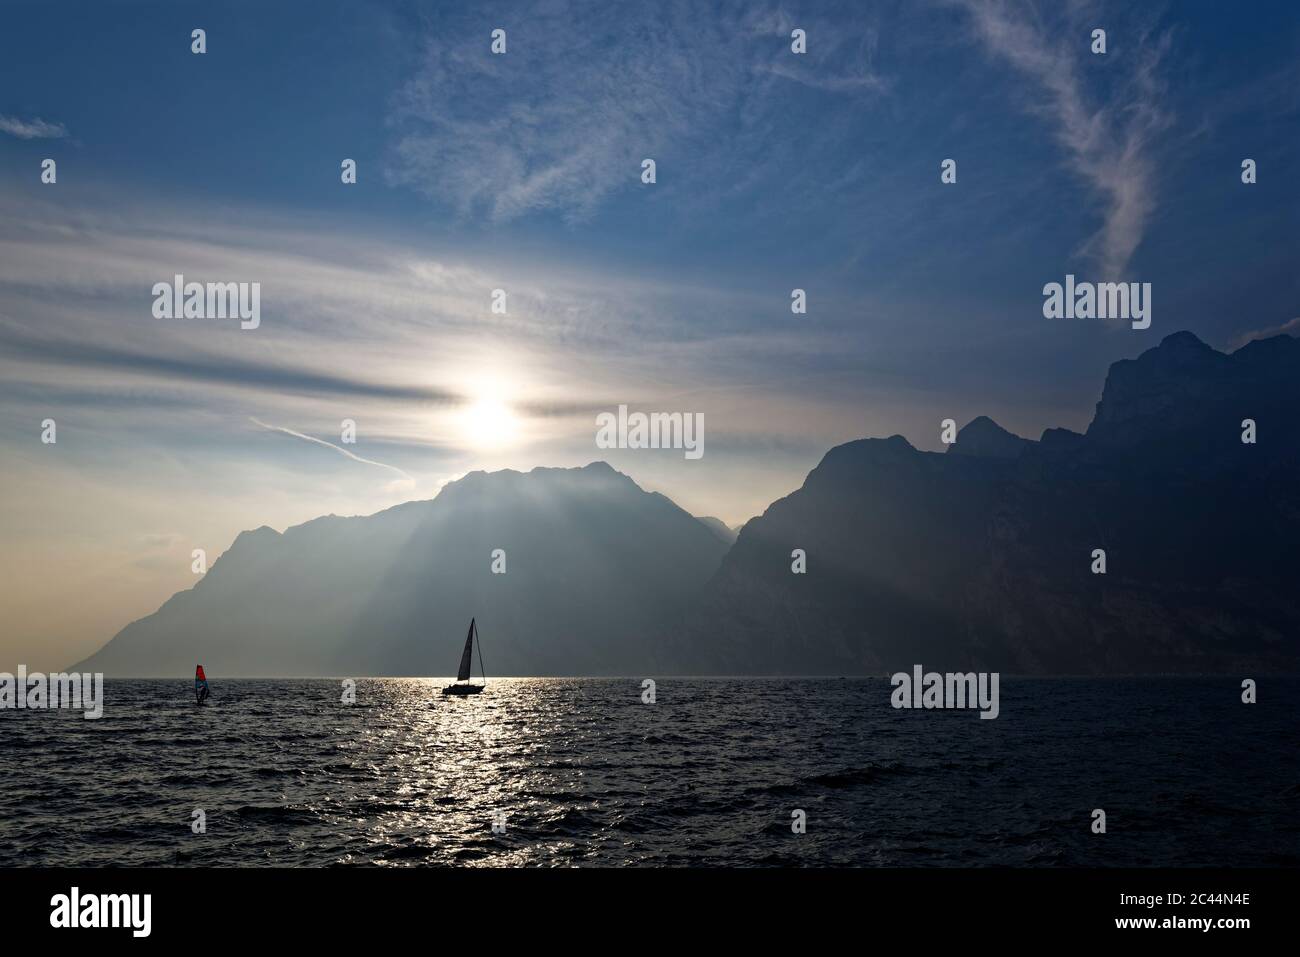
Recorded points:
775,171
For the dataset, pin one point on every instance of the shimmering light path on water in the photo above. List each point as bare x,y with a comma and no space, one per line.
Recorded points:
584,773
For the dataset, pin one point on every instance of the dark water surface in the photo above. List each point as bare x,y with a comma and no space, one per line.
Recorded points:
586,774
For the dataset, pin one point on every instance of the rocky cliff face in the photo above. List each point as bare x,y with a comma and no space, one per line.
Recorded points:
983,557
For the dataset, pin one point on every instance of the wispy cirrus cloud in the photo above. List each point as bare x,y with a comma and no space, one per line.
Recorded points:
835,60
563,117
1289,328
1107,138
36,129
588,90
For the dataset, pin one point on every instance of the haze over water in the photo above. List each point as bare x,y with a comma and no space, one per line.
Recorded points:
586,774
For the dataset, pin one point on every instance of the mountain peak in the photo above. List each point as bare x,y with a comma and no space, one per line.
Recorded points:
1183,339
1166,390
984,438
597,471
871,449
1178,351
263,533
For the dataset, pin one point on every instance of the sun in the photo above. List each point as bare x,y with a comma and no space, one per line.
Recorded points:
489,424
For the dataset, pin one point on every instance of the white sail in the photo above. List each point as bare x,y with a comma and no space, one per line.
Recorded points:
463,674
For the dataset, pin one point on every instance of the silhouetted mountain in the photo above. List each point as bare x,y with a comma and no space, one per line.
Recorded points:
595,567
985,438
720,528
979,557
982,558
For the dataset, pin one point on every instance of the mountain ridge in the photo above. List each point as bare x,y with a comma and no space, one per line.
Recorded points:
984,560
977,556
381,594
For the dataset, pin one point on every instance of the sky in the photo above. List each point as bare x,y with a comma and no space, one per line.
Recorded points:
522,171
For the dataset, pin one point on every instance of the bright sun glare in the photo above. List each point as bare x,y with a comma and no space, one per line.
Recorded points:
489,424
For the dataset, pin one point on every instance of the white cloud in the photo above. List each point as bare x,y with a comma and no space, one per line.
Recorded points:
1289,328
36,129
355,326
1109,145
837,60
587,91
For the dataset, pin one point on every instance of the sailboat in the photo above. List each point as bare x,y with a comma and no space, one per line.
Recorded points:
201,691
462,685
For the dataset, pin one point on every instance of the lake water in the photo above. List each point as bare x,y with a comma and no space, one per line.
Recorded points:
581,772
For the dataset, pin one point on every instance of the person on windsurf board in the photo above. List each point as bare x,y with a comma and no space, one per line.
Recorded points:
201,691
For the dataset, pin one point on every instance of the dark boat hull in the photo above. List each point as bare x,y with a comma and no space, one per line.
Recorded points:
462,689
